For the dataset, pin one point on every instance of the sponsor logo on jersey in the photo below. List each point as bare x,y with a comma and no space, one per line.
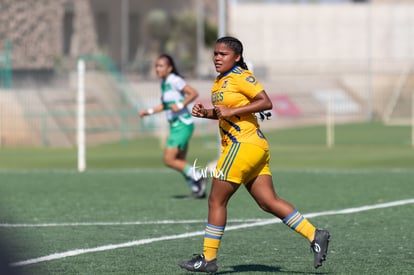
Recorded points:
217,97
251,79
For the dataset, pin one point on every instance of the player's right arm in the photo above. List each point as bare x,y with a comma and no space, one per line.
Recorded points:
199,111
150,111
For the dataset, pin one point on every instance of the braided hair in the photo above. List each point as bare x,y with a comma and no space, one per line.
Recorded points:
234,44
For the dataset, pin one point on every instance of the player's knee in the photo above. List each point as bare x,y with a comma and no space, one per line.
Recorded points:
216,203
211,202
168,161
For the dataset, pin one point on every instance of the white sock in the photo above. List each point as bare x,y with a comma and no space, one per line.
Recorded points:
194,174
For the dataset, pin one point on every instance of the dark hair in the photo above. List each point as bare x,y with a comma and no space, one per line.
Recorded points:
170,62
234,44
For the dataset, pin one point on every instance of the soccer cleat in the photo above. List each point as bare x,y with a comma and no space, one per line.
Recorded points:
199,264
201,184
320,246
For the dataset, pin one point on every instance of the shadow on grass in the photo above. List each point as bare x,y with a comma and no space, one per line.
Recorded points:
187,197
262,269
182,197
251,268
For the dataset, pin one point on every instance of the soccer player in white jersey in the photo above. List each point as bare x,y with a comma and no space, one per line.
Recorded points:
176,94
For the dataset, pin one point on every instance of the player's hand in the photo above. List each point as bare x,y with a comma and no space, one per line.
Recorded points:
222,111
175,108
199,110
143,113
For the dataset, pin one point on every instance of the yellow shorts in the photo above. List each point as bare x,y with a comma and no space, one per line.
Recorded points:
242,162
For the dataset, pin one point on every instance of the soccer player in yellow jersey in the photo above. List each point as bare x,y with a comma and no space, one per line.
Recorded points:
236,97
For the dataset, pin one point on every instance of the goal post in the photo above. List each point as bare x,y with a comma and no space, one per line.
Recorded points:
412,119
81,140
330,122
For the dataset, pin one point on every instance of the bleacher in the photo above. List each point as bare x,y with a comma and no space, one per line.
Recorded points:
50,113
401,103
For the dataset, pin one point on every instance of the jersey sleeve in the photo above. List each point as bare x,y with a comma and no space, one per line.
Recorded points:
178,83
249,85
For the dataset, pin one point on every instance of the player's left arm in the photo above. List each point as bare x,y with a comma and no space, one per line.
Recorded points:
190,95
259,103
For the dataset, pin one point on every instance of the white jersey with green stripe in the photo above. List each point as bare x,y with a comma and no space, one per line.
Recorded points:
172,93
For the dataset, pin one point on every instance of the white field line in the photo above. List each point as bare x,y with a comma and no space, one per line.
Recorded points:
76,252
169,171
120,223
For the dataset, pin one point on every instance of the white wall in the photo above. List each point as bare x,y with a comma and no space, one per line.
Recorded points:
322,38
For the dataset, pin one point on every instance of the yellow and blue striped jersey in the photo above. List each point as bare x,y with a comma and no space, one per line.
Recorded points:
237,88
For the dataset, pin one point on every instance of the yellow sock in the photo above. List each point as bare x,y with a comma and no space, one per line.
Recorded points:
300,224
212,238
